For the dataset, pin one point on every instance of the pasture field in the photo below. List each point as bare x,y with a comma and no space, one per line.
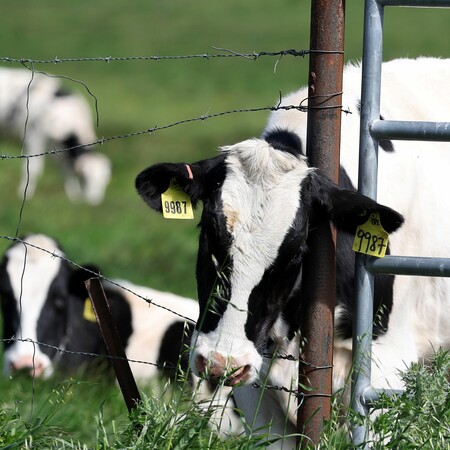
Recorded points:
122,235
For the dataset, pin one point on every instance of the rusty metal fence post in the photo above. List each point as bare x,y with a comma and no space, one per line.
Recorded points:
318,279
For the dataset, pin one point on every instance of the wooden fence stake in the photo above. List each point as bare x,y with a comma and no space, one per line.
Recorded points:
113,345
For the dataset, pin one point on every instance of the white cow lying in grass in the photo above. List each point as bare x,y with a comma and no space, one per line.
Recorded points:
37,111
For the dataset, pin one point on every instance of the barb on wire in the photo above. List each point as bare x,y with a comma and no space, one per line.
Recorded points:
95,274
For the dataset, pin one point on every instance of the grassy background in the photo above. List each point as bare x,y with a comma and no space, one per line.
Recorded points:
122,235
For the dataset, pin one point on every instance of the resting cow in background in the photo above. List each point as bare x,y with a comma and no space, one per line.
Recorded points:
260,200
38,111
45,301
33,303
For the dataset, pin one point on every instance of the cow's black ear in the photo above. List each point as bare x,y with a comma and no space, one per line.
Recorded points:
196,180
77,278
348,208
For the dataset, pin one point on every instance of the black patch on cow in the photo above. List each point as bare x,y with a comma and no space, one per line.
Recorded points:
213,265
52,322
284,140
173,357
386,144
272,296
8,305
72,143
62,92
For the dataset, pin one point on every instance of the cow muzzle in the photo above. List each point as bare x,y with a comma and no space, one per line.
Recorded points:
220,369
33,367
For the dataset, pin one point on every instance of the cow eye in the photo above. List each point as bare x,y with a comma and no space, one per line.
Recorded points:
58,303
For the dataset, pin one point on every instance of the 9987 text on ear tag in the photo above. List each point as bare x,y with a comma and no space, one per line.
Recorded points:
176,204
371,238
88,311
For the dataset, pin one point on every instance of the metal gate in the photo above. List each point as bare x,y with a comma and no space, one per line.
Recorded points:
372,130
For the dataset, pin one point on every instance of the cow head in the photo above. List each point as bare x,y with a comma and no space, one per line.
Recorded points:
68,123
260,199
33,291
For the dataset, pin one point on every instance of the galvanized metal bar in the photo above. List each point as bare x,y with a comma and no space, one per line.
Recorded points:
414,131
367,184
410,265
119,361
322,149
417,3
372,395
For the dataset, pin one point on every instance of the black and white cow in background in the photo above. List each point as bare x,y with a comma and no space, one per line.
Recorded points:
260,199
43,299
38,111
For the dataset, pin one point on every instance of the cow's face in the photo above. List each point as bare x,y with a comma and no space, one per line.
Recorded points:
260,201
32,291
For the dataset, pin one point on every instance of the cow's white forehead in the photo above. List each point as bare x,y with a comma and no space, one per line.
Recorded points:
260,198
31,272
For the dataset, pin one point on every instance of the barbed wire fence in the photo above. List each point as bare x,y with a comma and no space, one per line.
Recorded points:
224,54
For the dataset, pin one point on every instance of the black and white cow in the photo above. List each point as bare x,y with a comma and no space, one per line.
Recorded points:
43,299
39,112
45,307
260,200
33,303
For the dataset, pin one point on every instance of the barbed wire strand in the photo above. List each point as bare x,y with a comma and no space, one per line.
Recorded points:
94,274
156,128
299,395
227,53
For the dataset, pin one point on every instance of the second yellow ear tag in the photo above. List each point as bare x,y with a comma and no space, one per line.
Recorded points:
88,311
371,238
176,204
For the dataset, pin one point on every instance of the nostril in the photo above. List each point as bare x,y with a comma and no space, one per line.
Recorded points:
240,375
37,370
201,364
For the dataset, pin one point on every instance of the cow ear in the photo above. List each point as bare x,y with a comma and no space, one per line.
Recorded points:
197,180
348,209
77,278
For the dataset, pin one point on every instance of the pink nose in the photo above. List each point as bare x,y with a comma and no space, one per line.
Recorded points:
33,366
217,367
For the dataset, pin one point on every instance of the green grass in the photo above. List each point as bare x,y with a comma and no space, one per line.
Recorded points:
122,235
59,417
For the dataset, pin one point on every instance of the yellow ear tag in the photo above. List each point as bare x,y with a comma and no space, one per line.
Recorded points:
371,238
88,312
176,204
